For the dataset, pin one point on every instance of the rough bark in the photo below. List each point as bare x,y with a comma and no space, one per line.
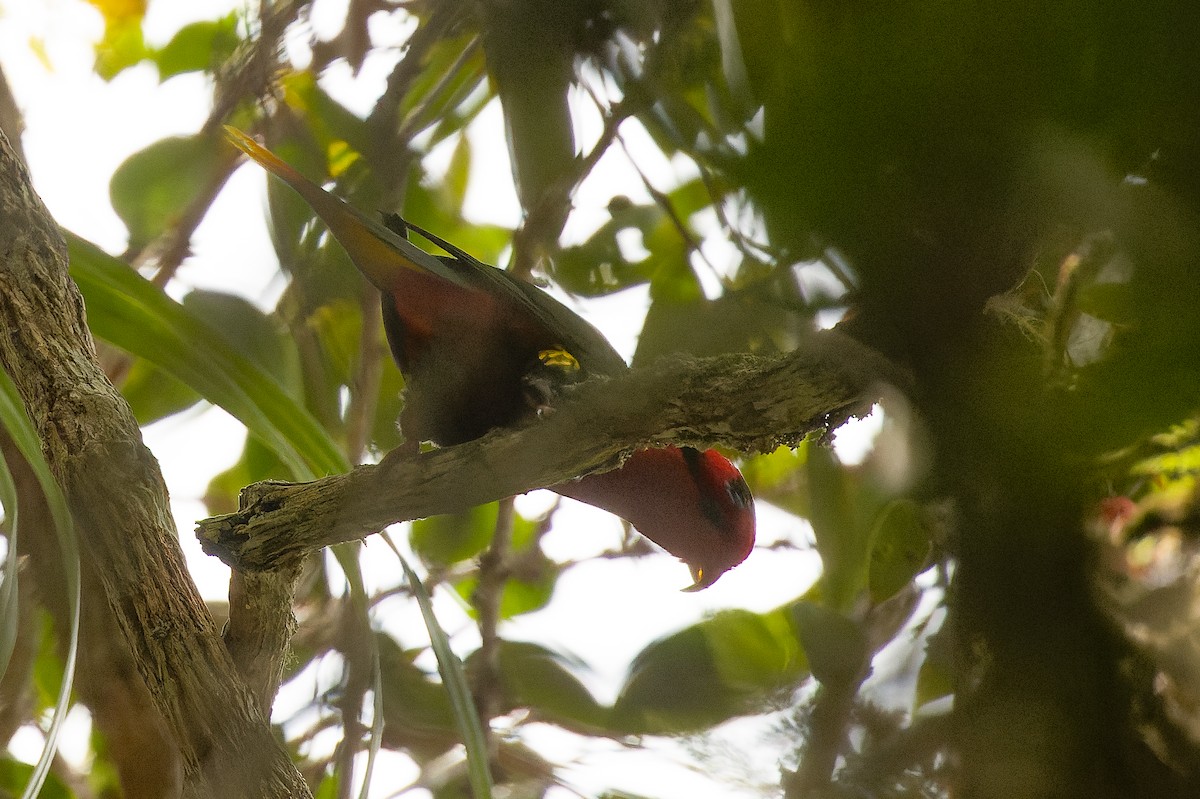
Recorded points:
745,402
119,504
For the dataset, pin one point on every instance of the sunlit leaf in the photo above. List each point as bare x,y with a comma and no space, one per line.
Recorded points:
123,44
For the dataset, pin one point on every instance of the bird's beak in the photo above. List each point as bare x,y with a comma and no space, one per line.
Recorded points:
701,578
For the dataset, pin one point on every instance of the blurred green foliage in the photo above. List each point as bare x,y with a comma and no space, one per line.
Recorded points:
1006,195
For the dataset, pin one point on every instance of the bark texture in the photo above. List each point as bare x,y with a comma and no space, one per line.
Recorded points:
119,504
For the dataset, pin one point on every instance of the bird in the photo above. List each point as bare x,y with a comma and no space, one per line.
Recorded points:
481,349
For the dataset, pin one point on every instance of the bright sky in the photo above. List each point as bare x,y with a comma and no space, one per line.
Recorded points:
79,129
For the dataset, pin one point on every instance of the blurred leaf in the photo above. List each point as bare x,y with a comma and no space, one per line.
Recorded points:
691,197
458,173
254,334
843,545
728,665
753,652
10,611
835,645
673,687
200,46
153,394
416,710
339,329
935,678
447,112
466,719
900,546
672,278
533,94
385,432
540,679
1112,302
525,592
328,121
256,463
328,788
123,44
15,776
597,266
780,477
734,322
133,314
533,578
153,187
447,539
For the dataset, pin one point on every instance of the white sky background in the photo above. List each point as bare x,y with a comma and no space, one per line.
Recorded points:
79,129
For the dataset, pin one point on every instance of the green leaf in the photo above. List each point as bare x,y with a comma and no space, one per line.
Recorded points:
754,653
780,477
597,266
257,462
19,427
673,687
533,92
258,337
525,592
455,682
534,577
153,394
445,110
836,646
130,312
542,680
416,709
200,46
123,44
15,777
935,677
900,548
1112,302
728,665
152,189
842,544
442,540
458,174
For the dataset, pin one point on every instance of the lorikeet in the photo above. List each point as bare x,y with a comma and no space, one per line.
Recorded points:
480,349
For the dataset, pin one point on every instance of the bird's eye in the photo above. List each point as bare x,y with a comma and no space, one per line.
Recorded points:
739,493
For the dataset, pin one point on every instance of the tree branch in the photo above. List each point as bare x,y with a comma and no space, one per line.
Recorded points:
121,512
746,402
